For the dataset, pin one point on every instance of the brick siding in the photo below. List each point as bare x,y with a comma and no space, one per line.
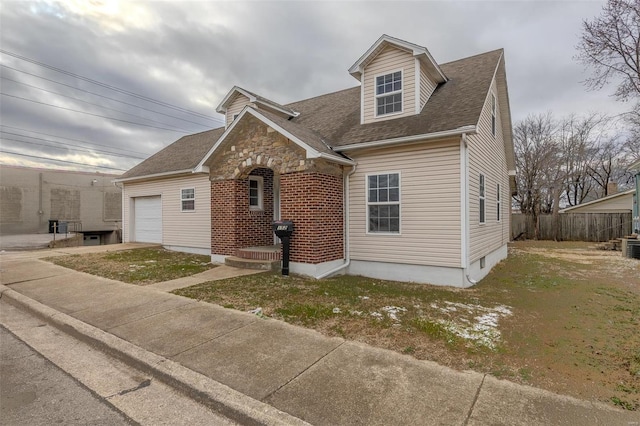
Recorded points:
314,202
233,224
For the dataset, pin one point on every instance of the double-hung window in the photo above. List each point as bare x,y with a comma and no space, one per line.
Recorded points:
482,193
383,203
255,192
188,199
389,93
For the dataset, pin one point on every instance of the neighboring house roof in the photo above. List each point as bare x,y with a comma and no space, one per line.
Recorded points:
602,204
635,166
331,123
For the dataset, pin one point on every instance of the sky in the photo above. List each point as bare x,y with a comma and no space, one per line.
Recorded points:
100,85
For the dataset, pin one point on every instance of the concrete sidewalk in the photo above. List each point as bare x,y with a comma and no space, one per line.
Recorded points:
269,372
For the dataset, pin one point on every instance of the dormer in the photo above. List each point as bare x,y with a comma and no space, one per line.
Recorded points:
396,79
238,98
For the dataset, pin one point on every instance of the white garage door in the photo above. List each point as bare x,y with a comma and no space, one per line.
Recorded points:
148,220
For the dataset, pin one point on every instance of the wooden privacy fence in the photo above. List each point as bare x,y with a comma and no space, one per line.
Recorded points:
574,226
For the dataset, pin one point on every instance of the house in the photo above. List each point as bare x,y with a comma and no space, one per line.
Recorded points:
636,197
406,176
616,202
32,198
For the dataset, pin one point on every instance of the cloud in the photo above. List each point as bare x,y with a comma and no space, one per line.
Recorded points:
189,54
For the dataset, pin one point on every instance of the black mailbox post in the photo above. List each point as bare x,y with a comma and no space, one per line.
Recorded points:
283,230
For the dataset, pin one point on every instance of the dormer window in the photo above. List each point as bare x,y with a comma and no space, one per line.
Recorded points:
389,93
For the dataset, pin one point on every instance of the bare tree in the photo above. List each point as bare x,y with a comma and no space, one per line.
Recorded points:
537,164
578,138
605,166
610,45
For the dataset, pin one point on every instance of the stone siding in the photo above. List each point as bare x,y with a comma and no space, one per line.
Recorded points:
253,144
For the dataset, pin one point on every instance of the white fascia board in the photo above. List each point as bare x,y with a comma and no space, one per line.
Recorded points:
222,109
200,166
336,159
635,166
427,136
154,175
310,152
356,69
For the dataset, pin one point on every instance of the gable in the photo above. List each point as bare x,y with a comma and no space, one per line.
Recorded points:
390,60
237,102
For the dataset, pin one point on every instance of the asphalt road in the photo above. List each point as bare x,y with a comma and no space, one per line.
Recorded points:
34,391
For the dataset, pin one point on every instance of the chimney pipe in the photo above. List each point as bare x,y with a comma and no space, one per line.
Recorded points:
612,188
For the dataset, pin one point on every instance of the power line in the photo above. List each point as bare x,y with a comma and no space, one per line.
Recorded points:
91,103
89,113
69,139
108,86
60,161
111,99
62,143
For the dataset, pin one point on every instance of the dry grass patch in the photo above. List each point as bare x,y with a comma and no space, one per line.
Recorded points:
544,317
138,266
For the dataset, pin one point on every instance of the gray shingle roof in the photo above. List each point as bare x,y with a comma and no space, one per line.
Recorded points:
334,119
183,154
454,104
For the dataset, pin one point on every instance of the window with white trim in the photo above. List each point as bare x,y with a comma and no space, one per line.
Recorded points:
255,192
383,203
498,203
389,93
188,199
482,199
493,114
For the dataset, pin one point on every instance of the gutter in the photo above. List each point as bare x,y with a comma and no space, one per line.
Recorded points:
155,175
334,159
346,228
416,138
465,211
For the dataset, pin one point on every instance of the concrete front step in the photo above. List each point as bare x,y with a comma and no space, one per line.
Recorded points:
260,253
265,265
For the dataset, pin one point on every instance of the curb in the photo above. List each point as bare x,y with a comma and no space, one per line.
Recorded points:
217,396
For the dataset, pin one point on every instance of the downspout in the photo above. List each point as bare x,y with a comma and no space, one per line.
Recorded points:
346,228
465,208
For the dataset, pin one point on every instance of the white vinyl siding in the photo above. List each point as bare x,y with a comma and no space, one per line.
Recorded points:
235,107
487,156
429,205
178,229
427,86
389,60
